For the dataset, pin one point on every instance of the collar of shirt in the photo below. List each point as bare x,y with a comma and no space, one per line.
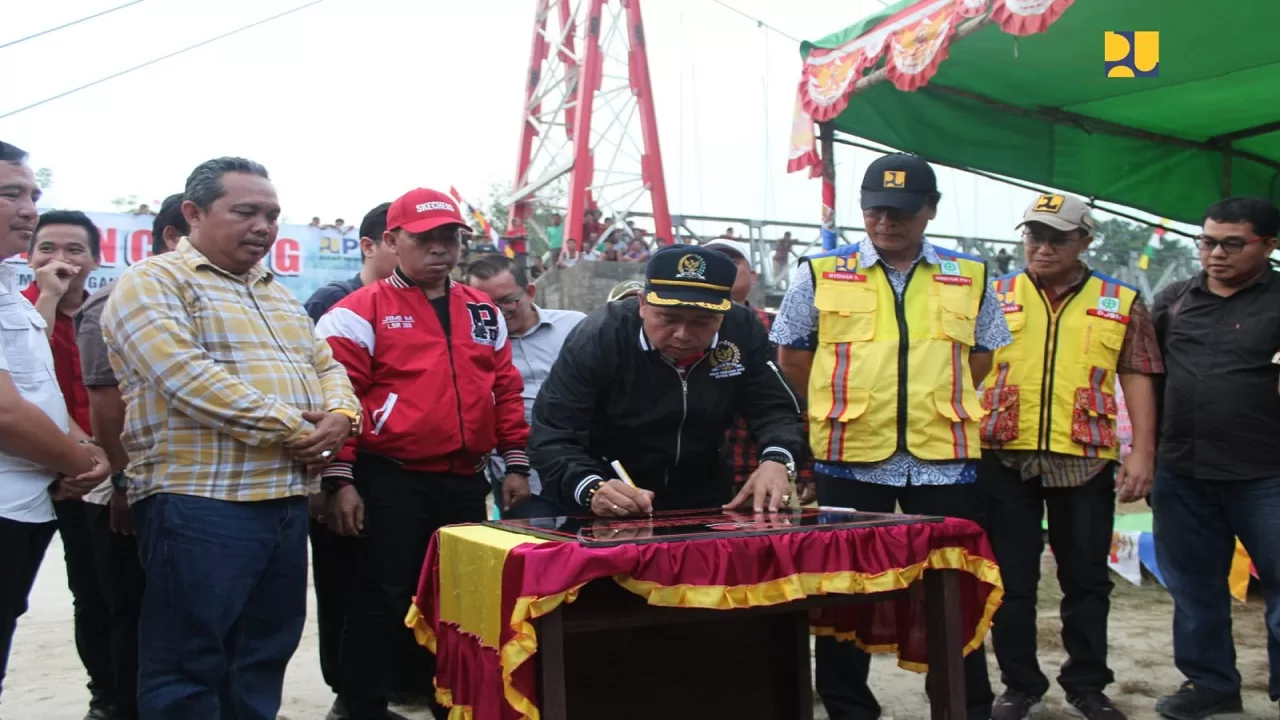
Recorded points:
8,277
545,320
1202,280
870,256
1077,282
197,260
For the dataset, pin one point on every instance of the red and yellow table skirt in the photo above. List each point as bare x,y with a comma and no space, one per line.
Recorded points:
481,588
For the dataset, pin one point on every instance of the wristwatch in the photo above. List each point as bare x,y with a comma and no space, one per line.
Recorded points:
119,481
784,459
354,417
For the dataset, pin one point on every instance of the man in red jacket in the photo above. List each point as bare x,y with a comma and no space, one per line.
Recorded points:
430,361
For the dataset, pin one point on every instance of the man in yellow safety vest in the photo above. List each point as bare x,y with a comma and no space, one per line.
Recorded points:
889,338
1049,439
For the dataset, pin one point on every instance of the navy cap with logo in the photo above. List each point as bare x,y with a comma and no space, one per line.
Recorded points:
899,181
689,276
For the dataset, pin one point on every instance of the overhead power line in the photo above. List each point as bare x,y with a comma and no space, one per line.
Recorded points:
757,21
162,58
11,43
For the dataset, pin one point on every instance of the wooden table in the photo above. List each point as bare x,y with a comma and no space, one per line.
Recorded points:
611,655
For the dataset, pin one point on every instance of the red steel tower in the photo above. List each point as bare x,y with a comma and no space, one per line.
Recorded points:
589,137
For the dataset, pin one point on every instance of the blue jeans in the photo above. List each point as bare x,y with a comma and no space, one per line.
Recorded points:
224,605
1196,524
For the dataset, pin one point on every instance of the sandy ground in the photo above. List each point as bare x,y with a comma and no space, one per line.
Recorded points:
46,681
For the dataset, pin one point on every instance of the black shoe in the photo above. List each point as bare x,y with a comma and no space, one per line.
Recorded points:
1014,705
1093,706
1195,703
338,711
100,712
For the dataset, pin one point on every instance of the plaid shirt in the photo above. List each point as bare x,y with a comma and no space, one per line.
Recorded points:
216,371
744,456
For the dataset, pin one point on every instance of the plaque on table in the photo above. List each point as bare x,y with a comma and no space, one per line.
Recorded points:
681,525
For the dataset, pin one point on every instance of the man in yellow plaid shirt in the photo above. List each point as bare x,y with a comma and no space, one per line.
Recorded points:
233,404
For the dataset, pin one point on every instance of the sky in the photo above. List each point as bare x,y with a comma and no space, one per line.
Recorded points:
350,103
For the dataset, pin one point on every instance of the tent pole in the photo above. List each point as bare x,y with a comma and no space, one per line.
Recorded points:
826,135
1226,170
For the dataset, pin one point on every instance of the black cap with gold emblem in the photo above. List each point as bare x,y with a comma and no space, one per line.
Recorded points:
898,181
689,276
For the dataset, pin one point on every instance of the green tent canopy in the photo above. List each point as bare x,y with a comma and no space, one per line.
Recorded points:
1020,88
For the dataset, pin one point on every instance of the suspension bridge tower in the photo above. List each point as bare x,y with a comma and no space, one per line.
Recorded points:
589,135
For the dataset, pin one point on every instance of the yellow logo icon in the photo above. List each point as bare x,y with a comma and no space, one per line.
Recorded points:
691,267
895,179
1048,203
1131,53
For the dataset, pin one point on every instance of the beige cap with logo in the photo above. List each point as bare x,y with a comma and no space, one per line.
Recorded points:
1060,212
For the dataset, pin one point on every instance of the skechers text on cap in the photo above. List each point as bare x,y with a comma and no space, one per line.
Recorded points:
420,210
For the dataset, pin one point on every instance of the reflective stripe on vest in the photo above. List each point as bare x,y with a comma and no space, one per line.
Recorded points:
1053,388
868,339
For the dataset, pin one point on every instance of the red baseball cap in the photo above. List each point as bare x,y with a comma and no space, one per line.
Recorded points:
420,210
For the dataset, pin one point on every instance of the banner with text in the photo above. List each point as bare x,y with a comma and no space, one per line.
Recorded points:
303,259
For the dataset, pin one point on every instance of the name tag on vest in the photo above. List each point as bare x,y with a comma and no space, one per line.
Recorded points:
844,277
953,279
1009,308
1107,314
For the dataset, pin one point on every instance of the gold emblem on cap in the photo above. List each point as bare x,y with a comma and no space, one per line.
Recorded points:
895,179
691,267
1048,203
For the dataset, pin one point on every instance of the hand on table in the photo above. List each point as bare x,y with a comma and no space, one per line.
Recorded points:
768,487
619,499
331,433
807,490
515,490
1134,478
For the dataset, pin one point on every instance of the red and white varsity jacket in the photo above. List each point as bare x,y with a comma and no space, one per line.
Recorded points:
431,402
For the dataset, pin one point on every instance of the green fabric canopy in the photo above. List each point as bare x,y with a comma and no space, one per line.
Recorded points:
1040,108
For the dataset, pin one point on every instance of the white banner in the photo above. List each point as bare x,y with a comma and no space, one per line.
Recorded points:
304,258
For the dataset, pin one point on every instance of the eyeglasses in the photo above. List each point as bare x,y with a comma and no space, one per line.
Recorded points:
1056,241
1229,245
892,214
509,300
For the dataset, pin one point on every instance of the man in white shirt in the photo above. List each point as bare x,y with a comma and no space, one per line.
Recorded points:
43,454
536,335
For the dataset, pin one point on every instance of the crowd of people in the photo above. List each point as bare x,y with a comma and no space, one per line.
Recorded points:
189,429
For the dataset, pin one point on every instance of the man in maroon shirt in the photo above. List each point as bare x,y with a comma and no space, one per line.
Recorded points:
741,448
64,249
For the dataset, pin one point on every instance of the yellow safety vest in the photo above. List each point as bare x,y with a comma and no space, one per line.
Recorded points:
892,374
1053,388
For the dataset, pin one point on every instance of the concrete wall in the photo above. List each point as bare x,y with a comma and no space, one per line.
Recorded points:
585,286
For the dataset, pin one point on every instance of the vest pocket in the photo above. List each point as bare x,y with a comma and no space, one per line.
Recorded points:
957,314
956,404
1104,341
847,405
1093,414
1002,406
846,312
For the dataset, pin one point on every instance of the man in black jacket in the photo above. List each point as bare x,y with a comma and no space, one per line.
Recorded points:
653,383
